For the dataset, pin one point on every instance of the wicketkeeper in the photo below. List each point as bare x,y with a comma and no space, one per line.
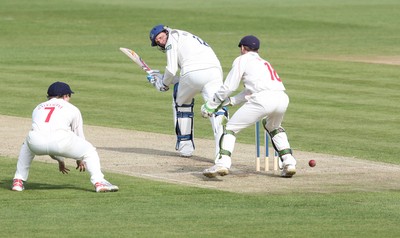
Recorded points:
263,98
200,72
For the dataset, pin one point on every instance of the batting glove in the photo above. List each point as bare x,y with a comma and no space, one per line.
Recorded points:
153,75
151,79
160,86
156,79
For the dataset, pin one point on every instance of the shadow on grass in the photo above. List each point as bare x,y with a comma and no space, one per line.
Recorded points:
6,184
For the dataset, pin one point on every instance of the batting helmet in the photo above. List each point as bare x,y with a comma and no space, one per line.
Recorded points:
155,31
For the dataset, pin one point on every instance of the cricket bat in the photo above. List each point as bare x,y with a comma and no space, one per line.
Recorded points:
139,61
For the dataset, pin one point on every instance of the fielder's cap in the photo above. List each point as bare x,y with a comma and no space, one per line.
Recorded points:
250,41
59,89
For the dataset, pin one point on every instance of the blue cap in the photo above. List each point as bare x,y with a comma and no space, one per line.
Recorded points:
154,32
58,89
250,41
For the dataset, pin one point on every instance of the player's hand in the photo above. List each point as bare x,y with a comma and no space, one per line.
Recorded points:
227,102
62,168
151,79
80,165
153,75
156,79
159,85
207,110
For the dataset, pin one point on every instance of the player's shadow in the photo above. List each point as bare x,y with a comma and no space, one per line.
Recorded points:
6,184
152,152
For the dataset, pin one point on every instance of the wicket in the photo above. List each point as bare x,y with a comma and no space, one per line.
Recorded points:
275,157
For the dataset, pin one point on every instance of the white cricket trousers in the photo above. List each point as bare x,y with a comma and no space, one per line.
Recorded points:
271,105
58,143
204,81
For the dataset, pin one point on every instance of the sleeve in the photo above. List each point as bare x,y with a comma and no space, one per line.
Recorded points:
231,82
172,58
240,97
77,124
168,77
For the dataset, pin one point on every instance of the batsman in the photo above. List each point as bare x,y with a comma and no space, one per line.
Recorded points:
199,72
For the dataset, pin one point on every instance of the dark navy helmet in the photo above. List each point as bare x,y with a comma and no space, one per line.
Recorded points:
58,89
155,31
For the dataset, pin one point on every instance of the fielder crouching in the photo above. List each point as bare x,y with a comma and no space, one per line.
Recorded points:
263,98
57,131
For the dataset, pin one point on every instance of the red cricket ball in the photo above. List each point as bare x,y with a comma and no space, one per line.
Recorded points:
312,163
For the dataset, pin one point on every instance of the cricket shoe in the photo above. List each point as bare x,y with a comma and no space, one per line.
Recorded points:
288,168
185,155
18,185
288,171
105,186
215,170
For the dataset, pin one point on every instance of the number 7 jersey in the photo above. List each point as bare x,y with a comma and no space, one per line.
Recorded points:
57,114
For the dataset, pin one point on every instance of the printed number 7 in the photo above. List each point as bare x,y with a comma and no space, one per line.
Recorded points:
50,113
200,40
272,72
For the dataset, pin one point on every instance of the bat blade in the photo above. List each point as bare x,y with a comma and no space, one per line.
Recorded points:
136,58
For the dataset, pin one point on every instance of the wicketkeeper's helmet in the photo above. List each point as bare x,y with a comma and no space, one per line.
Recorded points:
155,31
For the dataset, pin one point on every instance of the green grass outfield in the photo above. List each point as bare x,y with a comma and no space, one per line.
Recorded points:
341,107
58,205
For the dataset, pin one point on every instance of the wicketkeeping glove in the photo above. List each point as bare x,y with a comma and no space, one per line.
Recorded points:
207,110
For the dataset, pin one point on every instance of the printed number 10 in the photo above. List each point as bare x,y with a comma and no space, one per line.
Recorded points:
200,40
273,73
